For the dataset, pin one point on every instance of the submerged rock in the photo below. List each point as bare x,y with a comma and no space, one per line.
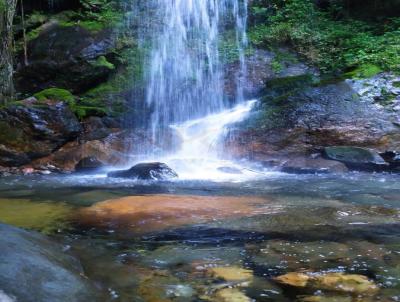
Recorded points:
356,158
341,282
294,279
32,269
149,213
230,295
231,273
146,171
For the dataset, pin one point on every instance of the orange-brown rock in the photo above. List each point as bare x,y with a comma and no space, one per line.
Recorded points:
142,214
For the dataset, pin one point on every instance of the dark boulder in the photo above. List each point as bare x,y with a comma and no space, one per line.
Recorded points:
33,131
70,57
146,171
89,164
33,269
357,158
392,158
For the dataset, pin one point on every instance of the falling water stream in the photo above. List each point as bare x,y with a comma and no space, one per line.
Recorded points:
185,80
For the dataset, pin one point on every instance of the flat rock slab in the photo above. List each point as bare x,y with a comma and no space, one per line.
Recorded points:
34,269
144,214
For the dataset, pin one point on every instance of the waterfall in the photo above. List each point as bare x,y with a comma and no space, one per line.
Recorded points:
184,82
185,77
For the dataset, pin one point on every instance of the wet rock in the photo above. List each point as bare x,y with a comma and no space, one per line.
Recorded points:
150,213
392,158
66,56
146,171
231,273
294,279
325,299
259,72
172,256
380,89
297,120
295,255
357,158
35,269
230,295
161,287
303,165
349,283
346,283
33,131
89,164
96,128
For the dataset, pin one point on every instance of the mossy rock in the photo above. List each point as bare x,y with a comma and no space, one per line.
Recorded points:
364,71
102,62
55,94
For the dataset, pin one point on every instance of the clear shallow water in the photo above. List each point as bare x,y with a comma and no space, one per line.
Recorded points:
160,241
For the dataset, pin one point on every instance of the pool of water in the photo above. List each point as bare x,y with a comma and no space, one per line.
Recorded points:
221,241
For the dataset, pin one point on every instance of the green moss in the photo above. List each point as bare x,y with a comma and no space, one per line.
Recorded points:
286,83
364,71
396,84
55,94
79,108
102,62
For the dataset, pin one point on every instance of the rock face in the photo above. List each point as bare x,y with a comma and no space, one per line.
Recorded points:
146,171
88,164
260,72
29,132
70,57
296,119
35,269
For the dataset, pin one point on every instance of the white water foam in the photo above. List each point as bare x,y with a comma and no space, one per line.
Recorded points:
200,155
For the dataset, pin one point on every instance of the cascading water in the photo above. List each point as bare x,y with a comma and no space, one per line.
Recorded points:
185,79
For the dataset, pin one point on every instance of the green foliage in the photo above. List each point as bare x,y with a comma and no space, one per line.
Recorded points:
333,45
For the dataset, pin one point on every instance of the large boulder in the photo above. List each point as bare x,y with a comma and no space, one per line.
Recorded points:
34,269
71,57
146,171
36,130
357,158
